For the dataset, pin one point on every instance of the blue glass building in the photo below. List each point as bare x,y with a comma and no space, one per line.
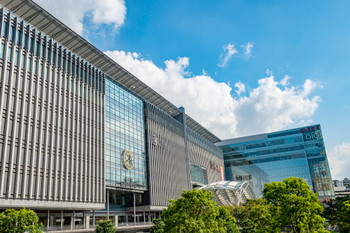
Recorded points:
265,158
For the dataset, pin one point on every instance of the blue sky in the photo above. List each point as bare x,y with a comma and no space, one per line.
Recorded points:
180,49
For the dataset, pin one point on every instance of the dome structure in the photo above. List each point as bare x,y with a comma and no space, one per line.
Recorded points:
229,193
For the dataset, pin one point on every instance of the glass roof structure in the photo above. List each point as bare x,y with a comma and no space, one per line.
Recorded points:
230,193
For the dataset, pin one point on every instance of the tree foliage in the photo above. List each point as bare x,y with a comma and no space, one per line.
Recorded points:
158,226
295,208
105,227
344,217
195,211
254,216
19,221
332,209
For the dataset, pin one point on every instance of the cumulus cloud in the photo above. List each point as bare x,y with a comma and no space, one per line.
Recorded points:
285,81
72,12
339,160
229,51
248,47
268,107
240,88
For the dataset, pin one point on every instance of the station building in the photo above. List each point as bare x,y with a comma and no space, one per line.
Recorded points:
81,138
269,157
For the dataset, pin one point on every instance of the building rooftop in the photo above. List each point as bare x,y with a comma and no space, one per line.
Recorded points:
258,137
51,26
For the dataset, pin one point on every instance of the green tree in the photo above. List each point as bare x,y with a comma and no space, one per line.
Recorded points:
253,216
195,211
105,227
294,207
331,211
226,220
344,217
158,226
19,221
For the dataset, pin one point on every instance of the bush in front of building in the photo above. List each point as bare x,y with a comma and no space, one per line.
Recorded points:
19,221
344,217
158,226
195,211
253,216
106,226
293,207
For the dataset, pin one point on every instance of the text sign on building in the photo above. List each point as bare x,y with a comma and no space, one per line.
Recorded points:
311,133
158,141
214,166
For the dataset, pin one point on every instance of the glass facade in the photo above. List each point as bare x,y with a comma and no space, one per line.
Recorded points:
124,138
275,156
198,174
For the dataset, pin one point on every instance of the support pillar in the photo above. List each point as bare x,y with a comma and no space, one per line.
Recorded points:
144,217
62,219
72,220
87,222
48,219
107,204
93,219
84,220
116,220
134,208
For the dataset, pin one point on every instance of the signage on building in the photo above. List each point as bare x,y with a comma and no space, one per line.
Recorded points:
308,129
311,133
222,173
214,166
158,141
243,177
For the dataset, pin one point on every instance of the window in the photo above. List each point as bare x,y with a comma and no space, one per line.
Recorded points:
13,33
25,44
31,49
9,54
5,29
16,58
29,67
19,35
2,50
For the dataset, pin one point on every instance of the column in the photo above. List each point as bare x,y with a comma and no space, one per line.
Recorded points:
48,219
93,219
62,219
134,208
87,222
72,220
107,204
116,220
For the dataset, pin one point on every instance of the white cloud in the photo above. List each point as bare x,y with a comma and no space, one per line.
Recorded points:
265,108
339,161
269,107
72,12
285,81
240,88
248,47
229,51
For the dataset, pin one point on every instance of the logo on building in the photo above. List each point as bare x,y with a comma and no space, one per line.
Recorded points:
128,159
214,166
158,141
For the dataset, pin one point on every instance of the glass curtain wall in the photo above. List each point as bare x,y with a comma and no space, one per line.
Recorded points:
124,138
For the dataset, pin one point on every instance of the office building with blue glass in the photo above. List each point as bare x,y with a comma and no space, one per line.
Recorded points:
265,158
81,138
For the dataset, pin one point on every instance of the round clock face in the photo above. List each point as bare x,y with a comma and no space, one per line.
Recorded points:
128,159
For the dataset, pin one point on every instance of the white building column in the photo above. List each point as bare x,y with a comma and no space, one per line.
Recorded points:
115,220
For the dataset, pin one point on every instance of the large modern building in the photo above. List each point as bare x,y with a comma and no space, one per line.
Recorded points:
82,138
265,158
